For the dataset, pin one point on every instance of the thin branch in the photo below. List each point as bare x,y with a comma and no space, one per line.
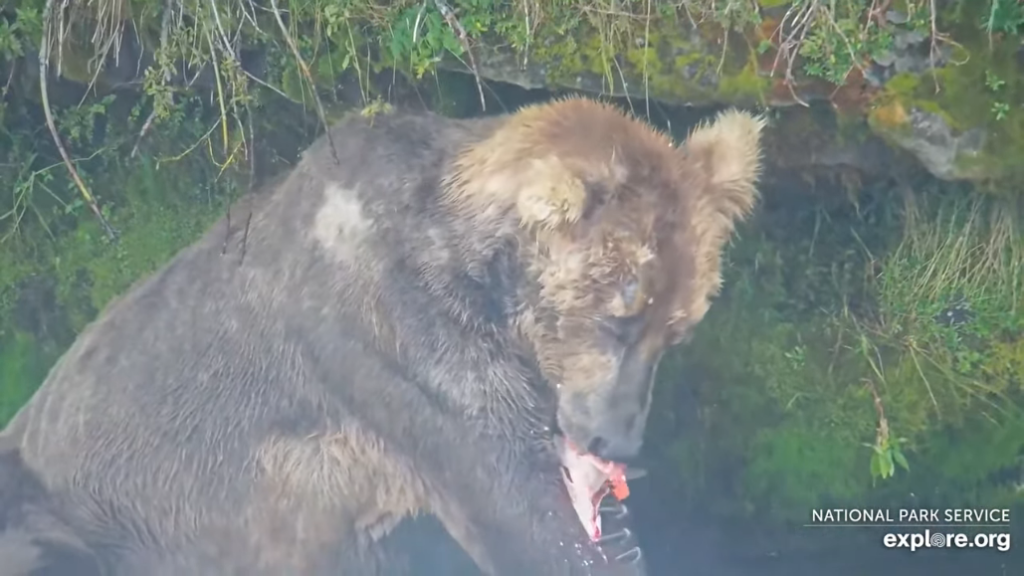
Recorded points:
305,72
44,65
165,26
113,41
265,84
220,88
529,33
10,78
876,13
933,44
647,47
790,45
882,432
449,16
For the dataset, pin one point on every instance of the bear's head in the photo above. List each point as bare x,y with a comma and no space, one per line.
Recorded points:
622,233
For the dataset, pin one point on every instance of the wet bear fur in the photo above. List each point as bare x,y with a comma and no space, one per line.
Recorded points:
413,321
34,538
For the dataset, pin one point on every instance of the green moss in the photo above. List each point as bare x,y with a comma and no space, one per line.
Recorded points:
566,58
60,243
983,91
23,366
657,59
1006,361
813,322
970,101
15,265
977,464
745,86
792,457
783,418
903,84
161,214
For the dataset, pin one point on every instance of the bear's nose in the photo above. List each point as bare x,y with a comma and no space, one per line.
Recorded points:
615,448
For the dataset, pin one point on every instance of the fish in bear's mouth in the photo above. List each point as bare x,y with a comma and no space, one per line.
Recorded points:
589,480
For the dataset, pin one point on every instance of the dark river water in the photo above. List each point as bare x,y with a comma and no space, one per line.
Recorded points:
679,545
686,546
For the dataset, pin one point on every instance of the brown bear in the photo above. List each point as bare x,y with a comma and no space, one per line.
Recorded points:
34,539
459,318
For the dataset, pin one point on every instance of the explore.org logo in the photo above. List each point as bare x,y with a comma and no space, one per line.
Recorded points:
914,529
914,541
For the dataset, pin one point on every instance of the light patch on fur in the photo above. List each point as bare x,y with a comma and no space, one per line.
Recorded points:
315,491
341,224
350,472
726,156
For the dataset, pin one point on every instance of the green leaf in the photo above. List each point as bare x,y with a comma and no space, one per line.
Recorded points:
876,465
901,459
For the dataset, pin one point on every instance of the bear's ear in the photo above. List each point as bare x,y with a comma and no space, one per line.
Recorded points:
723,160
728,153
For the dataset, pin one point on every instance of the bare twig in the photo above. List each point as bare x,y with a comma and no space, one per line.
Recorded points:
165,26
220,28
245,237
449,16
99,59
252,151
529,33
265,84
938,38
883,423
44,65
227,230
933,44
10,78
229,49
142,133
647,42
686,10
725,51
625,84
789,47
251,17
306,73
876,13
220,88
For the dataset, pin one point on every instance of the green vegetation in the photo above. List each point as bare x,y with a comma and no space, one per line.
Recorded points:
855,346
21,370
241,53
984,90
860,350
157,208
